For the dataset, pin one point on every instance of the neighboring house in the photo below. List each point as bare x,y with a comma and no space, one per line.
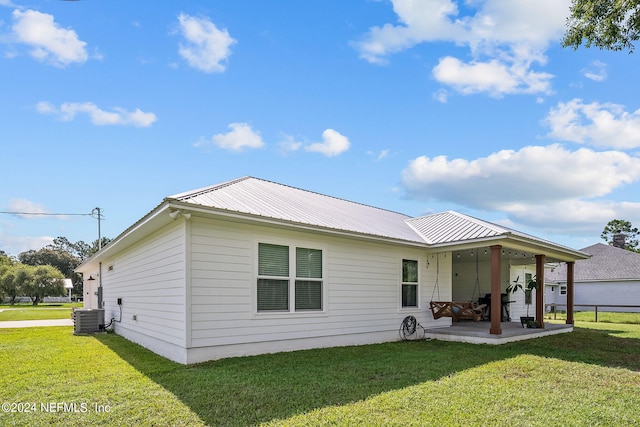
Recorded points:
251,266
610,276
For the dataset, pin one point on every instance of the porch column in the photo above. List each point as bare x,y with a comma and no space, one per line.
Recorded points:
540,290
570,290
496,297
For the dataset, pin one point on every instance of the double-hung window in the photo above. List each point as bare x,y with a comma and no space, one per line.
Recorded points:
409,283
279,267
308,292
273,277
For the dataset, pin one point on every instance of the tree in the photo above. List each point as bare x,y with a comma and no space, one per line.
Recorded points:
60,259
620,226
45,281
8,284
79,249
14,279
607,24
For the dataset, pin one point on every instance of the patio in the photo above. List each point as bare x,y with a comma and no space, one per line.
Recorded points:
478,332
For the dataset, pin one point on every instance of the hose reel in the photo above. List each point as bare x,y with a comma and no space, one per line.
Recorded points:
409,327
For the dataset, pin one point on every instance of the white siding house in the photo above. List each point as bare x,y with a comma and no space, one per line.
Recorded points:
610,277
251,266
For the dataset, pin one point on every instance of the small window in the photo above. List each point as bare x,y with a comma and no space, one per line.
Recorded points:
563,290
409,283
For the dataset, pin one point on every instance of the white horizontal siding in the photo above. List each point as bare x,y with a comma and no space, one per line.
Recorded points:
149,277
362,282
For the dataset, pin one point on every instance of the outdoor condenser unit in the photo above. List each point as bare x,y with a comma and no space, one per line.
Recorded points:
88,321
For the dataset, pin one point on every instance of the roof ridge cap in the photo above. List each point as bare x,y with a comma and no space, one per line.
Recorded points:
495,227
207,189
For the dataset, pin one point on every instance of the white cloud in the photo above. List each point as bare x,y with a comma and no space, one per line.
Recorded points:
289,144
333,144
206,47
596,71
26,208
119,116
507,37
600,125
379,156
535,185
14,245
240,137
50,43
494,77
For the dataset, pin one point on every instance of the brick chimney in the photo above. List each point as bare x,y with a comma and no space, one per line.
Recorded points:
619,240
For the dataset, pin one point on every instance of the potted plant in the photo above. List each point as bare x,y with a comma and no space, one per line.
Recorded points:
526,321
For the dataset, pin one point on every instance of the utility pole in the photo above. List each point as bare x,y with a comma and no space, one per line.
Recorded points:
98,213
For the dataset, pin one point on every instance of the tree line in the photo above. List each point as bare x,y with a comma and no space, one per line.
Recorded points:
39,274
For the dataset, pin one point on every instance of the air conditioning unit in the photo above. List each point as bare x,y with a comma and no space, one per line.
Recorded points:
88,321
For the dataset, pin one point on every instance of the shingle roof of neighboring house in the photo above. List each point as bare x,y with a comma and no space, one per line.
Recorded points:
606,263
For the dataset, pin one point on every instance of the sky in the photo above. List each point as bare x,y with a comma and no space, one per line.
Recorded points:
416,106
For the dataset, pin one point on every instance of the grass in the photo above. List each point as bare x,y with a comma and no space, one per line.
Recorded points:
588,377
603,316
39,312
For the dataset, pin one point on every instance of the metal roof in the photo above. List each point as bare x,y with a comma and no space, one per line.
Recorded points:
266,199
452,227
271,200
257,199
606,263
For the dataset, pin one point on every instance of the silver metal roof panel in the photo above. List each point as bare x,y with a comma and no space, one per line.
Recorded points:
268,199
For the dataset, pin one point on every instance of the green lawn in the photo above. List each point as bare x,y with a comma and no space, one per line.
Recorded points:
39,312
588,377
603,316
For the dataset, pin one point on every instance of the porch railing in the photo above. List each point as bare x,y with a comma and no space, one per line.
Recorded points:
554,307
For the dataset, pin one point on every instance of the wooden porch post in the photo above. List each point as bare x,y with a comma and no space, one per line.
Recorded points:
496,297
540,290
570,290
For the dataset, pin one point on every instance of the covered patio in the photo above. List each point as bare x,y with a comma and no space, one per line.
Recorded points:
478,332
484,259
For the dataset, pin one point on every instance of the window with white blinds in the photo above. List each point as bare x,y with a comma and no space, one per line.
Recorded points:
274,277
309,267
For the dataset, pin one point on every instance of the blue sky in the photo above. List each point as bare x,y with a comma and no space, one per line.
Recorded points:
413,106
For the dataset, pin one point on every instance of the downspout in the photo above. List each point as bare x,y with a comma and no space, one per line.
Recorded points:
100,285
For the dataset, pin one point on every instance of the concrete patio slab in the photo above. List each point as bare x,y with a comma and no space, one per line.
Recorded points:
478,332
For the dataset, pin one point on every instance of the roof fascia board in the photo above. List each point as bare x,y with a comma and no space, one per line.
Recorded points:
132,230
511,241
249,218
556,251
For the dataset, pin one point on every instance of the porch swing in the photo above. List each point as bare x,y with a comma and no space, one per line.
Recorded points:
457,310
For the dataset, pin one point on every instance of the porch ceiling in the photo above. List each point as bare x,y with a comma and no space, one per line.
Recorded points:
514,255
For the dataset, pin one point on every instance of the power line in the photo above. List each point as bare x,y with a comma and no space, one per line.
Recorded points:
96,213
45,213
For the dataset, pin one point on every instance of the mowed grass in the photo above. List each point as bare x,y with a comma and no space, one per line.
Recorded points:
603,316
588,377
39,312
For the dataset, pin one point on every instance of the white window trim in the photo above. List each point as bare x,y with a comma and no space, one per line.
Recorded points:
291,278
416,308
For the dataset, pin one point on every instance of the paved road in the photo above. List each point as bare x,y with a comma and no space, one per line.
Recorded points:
35,323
